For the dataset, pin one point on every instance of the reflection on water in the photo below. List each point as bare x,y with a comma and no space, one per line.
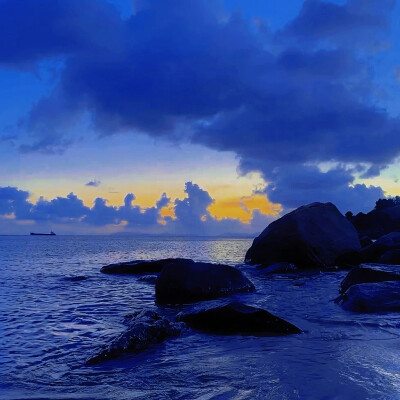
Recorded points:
49,325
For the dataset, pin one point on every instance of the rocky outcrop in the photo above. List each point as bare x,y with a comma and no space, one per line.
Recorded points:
385,243
365,241
190,282
312,236
138,267
372,297
374,224
144,329
236,318
279,268
367,275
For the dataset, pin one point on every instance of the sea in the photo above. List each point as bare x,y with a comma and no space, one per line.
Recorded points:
57,310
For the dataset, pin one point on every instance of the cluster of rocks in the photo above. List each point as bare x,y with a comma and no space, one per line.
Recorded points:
313,237
377,222
370,290
182,281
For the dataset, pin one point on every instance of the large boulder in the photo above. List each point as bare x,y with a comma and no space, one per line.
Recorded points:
372,297
186,283
312,236
144,329
138,267
236,318
385,243
367,275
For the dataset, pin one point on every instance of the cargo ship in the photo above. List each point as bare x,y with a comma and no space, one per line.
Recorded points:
43,234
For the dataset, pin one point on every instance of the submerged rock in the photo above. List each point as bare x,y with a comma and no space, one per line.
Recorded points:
312,236
372,297
190,282
279,268
236,318
144,329
77,278
366,275
391,257
138,267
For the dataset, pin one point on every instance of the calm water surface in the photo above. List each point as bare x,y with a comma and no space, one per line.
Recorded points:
49,326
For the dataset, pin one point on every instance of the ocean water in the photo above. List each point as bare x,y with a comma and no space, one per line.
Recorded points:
50,324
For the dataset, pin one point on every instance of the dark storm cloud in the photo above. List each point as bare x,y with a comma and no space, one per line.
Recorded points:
187,69
350,24
33,30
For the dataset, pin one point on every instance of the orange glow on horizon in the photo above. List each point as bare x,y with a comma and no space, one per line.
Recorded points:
242,207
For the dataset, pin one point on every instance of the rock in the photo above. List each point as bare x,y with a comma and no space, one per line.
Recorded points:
385,243
138,267
365,241
186,283
148,278
349,260
279,268
312,236
236,318
390,257
372,297
77,278
144,329
374,224
366,275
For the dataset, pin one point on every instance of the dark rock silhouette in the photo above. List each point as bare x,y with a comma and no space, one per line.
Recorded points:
77,278
144,329
374,224
349,260
372,297
279,268
312,236
385,243
138,267
190,282
391,257
367,275
383,219
365,241
236,318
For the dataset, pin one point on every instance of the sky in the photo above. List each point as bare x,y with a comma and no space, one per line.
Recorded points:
194,117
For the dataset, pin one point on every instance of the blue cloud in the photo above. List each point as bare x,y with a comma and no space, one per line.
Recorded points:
192,215
189,70
94,183
14,201
293,186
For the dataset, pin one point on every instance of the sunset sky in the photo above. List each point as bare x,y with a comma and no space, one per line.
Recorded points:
200,117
